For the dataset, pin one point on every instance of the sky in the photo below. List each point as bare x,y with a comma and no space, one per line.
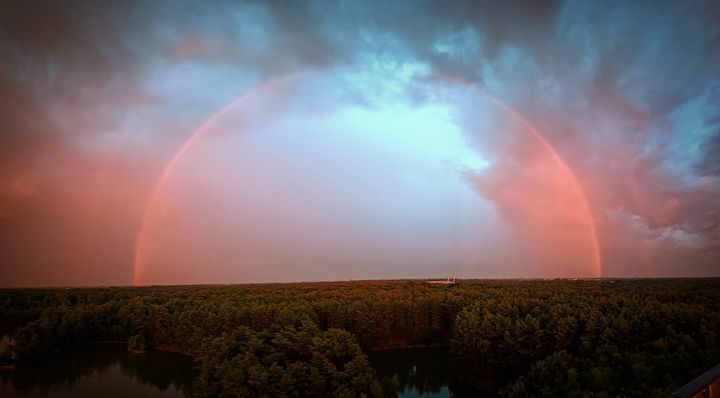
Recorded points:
183,142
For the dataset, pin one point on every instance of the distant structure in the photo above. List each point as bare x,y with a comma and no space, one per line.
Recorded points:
450,281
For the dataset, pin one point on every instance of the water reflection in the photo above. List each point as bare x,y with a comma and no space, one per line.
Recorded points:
422,372
103,370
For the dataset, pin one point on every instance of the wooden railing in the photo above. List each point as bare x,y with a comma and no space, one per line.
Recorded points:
707,385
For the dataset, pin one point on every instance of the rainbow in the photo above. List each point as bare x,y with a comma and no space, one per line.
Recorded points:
574,182
275,83
194,136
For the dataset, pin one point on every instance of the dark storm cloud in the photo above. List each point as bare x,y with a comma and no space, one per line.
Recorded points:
709,163
526,22
623,90
62,61
61,54
92,57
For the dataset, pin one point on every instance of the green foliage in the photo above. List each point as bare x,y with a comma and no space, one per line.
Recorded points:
632,338
136,343
65,328
627,339
289,361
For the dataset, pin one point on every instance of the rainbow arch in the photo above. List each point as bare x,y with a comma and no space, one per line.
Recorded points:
283,80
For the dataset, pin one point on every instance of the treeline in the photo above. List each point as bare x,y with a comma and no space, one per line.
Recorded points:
303,339
379,314
627,339
521,338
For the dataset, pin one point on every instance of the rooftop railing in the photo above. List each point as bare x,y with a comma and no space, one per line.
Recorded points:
707,385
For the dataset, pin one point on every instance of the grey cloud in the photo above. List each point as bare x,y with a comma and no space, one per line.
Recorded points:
600,78
709,163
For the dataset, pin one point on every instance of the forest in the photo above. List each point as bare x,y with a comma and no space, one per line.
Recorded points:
514,338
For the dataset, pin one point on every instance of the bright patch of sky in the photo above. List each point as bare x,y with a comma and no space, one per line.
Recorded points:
383,80
425,132
376,185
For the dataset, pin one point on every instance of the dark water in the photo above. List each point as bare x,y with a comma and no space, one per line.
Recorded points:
422,372
105,371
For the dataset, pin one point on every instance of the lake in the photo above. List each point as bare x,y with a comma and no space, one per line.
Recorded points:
422,372
109,371
106,371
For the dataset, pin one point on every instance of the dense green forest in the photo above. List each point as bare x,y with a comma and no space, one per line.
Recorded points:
630,338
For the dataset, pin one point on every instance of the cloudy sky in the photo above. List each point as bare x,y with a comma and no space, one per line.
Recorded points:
245,141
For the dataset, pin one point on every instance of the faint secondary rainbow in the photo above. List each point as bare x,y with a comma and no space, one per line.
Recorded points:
261,89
